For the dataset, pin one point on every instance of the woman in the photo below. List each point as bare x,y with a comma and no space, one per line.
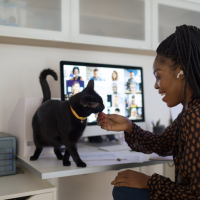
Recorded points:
75,87
133,114
114,76
133,105
76,74
177,72
116,101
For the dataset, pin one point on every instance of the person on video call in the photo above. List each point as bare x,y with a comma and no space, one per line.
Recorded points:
133,105
76,72
117,111
177,72
133,114
114,87
96,76
116,101
130,80
114,76
133,88
75,87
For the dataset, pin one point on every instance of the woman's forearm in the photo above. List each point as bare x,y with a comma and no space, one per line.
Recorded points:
129,127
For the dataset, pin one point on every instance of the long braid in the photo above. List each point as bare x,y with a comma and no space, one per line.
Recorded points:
187,75
183,48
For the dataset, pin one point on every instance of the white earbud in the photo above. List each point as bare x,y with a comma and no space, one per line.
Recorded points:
181,73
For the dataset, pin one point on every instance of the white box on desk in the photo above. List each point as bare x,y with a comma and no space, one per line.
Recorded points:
20,125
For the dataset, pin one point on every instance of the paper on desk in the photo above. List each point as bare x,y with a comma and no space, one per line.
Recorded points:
155,156
137,158
85,156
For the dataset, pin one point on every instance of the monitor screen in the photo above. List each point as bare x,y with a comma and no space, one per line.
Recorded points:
121,87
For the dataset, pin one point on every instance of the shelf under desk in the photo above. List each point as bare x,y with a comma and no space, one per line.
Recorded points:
47,166
25,184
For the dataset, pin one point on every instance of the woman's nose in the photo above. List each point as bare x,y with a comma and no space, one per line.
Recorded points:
156,85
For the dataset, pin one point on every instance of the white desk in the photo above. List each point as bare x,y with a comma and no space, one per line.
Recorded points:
26,184
47,166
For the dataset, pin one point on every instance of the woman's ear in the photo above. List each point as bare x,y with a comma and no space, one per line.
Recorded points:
180,74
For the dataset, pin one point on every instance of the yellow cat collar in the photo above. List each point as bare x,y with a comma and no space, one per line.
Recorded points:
75,114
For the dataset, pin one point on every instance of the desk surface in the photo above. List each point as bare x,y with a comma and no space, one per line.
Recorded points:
47,166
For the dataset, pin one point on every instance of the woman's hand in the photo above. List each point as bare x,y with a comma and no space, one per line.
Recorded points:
129,178
114,122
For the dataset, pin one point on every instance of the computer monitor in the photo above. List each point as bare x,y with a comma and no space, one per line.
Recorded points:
120,86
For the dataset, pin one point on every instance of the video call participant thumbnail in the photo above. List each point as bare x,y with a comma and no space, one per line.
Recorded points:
76,73
130,80
114,76
96,76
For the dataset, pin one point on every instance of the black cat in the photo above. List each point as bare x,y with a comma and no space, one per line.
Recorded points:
58,123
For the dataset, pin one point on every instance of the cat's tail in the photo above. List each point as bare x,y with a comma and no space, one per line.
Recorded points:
44,84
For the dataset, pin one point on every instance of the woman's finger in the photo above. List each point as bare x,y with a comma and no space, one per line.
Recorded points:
105,127
119,180
100,117
123,172
111,116
101,114
100,121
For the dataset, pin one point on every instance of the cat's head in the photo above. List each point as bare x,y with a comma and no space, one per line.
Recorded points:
87,101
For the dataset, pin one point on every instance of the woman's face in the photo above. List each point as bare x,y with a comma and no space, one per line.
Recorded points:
168,85
75,88
76,72
134,113
114,75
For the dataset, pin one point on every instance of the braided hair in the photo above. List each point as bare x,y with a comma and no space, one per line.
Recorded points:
183,48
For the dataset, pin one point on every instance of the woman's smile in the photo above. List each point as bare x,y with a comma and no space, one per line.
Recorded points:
163,94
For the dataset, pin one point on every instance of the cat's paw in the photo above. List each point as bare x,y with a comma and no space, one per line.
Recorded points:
81,164
66,163
60,157
32,158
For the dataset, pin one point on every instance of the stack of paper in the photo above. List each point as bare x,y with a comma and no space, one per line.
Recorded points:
155,156
110,158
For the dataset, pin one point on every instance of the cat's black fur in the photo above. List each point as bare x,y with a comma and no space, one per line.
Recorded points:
55,125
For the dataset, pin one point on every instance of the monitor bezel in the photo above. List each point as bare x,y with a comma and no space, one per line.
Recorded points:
62,63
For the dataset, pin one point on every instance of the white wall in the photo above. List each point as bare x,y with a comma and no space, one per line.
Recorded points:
20,67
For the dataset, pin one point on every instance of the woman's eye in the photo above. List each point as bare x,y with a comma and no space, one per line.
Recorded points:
158,78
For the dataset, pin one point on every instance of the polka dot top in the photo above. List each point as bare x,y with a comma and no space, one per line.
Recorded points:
187,168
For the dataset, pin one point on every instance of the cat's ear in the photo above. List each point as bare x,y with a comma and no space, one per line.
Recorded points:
90,84
83,102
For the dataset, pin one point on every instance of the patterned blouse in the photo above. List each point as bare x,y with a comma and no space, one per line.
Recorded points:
187,168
